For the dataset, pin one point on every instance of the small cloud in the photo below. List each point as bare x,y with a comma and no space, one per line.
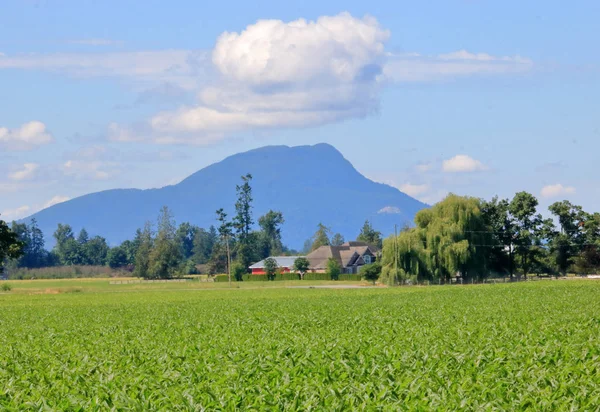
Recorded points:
27,173
391,210
27,137
424,167
97,42
462,163
55,200
88,169
414,190
15,214
557,190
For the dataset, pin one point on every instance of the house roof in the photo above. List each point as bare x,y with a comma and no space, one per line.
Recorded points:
282,262
346,255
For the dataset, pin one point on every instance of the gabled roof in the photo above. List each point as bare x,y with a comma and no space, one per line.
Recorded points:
346,255
282,262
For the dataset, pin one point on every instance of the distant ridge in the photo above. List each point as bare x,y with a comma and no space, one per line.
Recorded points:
308,184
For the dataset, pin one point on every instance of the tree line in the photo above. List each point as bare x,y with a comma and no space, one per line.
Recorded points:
473,238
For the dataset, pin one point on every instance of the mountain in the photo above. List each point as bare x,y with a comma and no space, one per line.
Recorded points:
308,184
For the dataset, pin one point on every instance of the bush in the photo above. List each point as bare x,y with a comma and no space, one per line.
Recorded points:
333,269
371,272
238,271
6,287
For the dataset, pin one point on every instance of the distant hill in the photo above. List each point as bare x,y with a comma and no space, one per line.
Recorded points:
308,184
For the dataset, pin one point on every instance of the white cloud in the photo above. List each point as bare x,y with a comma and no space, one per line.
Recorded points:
55,200
276,74
392,210
89,169
414,190
97,42
417,68
181,67
28,172
462,163
272,51
24,211
27,137
557,190
15,214
424,167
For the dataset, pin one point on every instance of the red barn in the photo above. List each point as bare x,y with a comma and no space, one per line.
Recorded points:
284,263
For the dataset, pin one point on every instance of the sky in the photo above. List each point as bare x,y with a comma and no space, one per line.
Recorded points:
471,97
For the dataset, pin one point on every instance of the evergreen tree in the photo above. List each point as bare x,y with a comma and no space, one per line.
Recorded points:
165,256
370,235
142,256
270,225
243,207
321,237
10,246
96,250
83,237
337,240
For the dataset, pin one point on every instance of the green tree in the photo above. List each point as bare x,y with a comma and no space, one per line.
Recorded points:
95,251
568,242
238,270
337,240
10,246
83,237
117,257
370,235
165,257
65,249
321,237
270,225
371,272
185,235
528,229
142,256
37,252
333,269
225,233
444,243
301,265
270,268
243,207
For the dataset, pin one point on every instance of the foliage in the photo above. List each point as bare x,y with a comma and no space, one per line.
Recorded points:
142,256
243,207
10,246
117,257
370,235
321,237
270,225
333,269
238,271
165,256
444,243
371,272
337,240
301,265
6,287
270,268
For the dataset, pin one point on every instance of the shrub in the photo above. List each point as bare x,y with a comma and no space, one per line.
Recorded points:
371,272
238,271
333,269
6,287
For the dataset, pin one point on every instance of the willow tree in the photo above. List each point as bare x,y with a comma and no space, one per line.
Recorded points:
449,239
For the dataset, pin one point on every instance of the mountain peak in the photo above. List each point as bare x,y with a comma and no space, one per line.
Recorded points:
308,184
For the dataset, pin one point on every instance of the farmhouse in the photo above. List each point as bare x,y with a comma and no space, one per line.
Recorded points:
350,256
284,263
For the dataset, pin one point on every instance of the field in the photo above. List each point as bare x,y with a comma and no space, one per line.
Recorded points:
508,347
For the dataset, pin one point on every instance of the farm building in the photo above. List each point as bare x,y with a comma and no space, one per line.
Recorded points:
350,256
284,263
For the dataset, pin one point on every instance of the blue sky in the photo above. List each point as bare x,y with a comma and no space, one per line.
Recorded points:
464,96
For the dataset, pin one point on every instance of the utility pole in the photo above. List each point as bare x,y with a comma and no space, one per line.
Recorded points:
395,252
228,260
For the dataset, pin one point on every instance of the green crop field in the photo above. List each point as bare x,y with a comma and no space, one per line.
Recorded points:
532,346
